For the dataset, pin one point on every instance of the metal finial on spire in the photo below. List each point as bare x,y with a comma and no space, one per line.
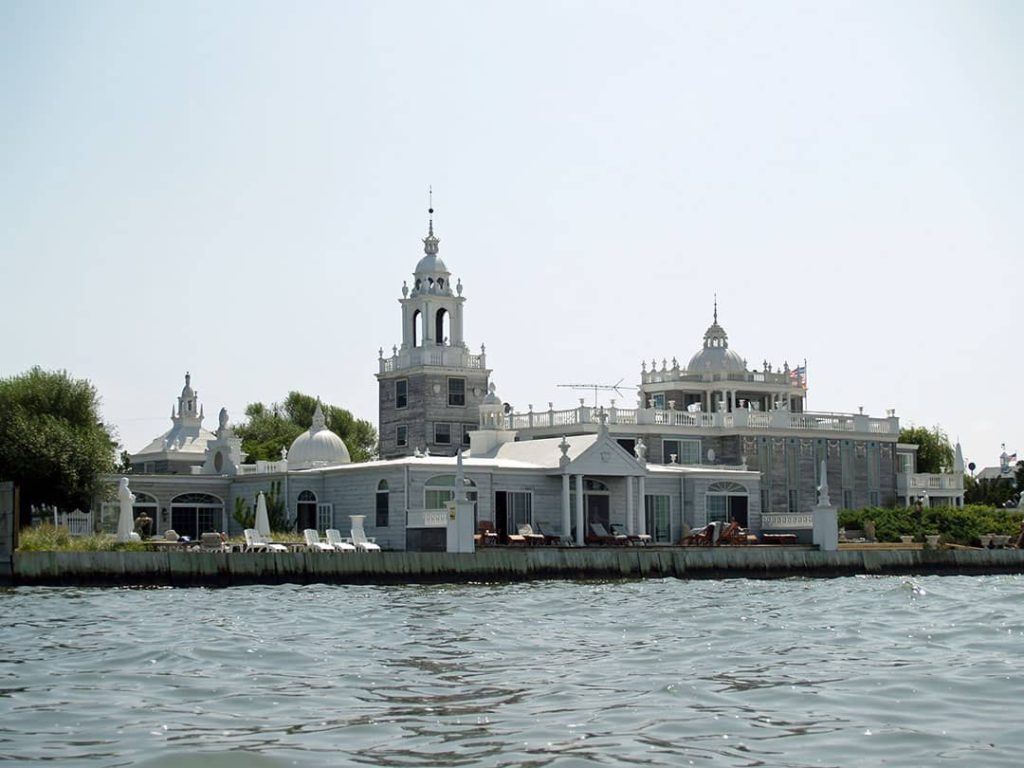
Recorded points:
430,207
716,306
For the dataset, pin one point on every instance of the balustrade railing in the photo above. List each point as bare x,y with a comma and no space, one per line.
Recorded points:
440,356
427,518
823,422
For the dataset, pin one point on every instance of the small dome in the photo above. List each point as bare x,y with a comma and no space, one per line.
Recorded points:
715,356
317,446
431,265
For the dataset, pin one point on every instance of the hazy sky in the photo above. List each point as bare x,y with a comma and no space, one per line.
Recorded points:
239,190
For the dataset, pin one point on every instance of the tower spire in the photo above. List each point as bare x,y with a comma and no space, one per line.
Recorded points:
716,306
430,208
430,241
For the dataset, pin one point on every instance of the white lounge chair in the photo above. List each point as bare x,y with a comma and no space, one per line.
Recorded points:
335,540
313,543
254,542
362,542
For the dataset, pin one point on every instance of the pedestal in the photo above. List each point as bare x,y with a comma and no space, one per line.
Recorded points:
460,526
826,528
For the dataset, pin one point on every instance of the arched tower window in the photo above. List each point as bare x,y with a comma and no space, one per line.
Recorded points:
417,321
442,326
305,510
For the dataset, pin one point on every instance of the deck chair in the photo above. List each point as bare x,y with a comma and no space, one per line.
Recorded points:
254,542
211,542
634,539
600,535
337,542
485,534
549,538
362,541
313,543
532,538
700,537
732,534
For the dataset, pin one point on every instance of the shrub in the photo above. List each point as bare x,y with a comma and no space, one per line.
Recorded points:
956,525
50,538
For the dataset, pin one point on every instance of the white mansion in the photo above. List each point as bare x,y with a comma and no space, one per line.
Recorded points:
708,440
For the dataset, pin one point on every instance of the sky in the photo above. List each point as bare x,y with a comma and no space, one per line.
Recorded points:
238,189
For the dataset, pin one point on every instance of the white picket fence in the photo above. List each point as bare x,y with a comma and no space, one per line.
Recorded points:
78,523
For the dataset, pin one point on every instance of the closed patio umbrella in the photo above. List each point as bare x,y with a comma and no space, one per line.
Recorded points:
262,519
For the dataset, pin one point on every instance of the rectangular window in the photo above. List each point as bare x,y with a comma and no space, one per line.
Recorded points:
443,434
659,401
324,515
656,515
520,509
466,429
873,499
401,435
766,500
382,509
437,498
401,393
906,463
718,509
847,499
794,501
456,392
686,451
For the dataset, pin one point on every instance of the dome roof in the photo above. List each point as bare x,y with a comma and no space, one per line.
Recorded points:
715,356
431,265
317,446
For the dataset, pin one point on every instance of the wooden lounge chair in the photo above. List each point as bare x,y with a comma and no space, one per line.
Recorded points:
313,543
549,538
485,534
732,534
600,535
634,539
335,540
701,537
532,539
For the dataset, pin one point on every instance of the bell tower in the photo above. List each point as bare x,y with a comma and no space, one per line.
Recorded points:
431,387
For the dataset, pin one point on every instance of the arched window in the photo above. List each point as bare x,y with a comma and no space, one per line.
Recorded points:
440,489
196,513
305,511
726,501
417,320
382,504
442,326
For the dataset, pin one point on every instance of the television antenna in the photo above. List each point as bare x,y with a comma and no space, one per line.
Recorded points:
596,388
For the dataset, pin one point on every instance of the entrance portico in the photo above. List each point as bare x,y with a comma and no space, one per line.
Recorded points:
587,485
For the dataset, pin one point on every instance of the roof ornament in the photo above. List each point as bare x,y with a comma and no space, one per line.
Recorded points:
716,307
430,241
319,422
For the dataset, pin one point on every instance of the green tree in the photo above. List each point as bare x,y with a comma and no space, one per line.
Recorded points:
269,429
934,453
53,443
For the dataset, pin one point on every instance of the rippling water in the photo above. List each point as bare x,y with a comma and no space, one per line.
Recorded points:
843,672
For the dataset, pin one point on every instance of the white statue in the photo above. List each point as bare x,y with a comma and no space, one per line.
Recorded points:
126,519
640,449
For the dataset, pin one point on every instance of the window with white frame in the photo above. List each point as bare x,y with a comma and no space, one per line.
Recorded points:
401,435
401,393
686,451
520,509
656,512
382,504
443,433
324,515
456,392
440,489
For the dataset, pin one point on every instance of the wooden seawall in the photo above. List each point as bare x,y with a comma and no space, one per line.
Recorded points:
188,569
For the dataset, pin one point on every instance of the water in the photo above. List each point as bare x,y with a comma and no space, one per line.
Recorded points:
843,672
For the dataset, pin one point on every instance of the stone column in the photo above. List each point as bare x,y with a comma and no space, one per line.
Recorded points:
641,517
579,510
630,506
566,512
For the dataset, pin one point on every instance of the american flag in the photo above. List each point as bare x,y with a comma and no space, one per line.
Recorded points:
799,375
